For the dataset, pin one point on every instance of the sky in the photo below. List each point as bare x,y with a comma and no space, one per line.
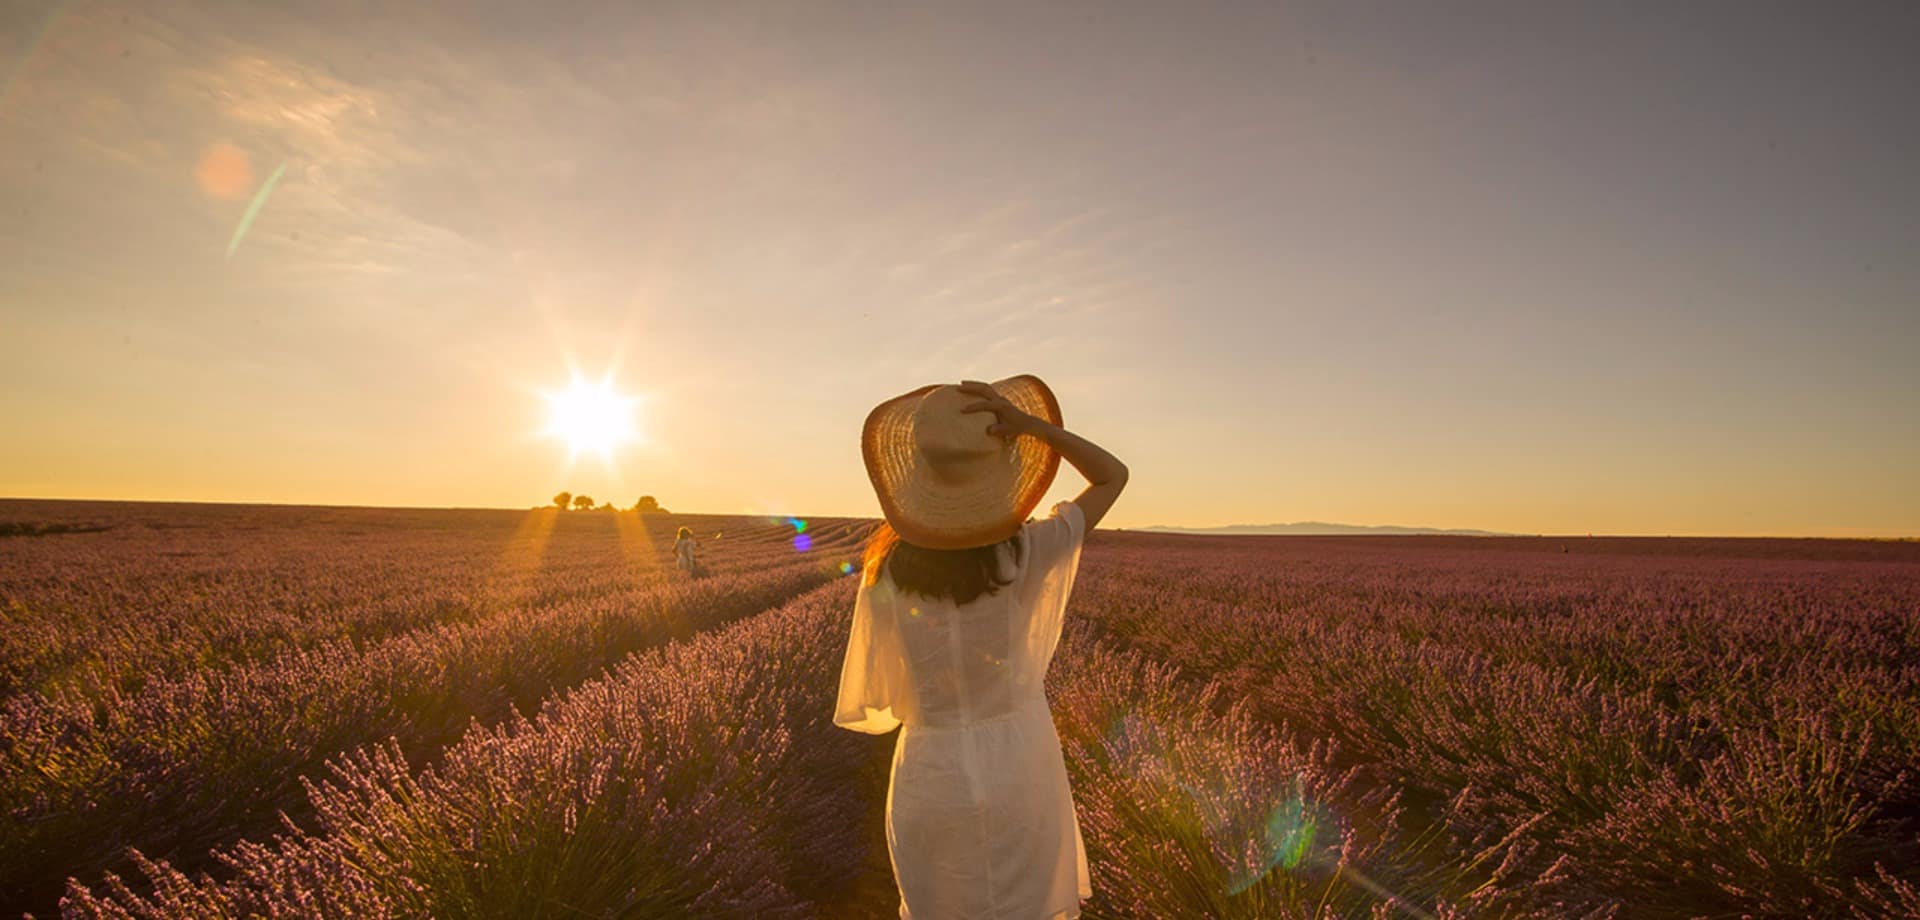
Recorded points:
1530,267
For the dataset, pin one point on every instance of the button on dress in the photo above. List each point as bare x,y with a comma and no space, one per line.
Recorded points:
980,822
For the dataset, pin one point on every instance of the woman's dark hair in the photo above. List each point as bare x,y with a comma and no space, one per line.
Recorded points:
685,533
959,574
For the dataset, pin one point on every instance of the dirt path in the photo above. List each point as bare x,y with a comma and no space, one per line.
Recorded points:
871,895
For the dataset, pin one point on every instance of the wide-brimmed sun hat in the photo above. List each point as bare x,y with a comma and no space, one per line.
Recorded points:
942,480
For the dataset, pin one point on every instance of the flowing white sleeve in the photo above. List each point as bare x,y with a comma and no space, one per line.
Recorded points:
1053,560
873,675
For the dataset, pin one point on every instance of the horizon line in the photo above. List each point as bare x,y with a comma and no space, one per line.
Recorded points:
1167,529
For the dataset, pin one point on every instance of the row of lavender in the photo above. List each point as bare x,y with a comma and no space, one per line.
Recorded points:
183,763
705,779
156,596
698,779
1679,736
1451,792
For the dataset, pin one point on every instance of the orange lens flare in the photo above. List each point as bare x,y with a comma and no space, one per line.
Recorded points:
224,172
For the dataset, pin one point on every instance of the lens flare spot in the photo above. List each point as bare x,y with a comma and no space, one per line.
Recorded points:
253,208
224,172
1289,832
846,568
802,543
799,526
1254,824
1285,841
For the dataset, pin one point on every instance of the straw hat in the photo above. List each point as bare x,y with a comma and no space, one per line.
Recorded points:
943,481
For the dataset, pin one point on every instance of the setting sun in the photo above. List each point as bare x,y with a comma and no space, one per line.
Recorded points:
592,417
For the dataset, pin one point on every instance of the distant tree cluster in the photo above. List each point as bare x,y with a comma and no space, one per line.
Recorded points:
564,500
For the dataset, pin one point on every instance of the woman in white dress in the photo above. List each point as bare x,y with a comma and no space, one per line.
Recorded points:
959,610
683,548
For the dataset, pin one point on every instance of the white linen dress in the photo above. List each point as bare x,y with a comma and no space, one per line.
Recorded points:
980,822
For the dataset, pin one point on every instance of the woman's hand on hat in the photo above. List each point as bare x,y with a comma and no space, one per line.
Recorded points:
1008,420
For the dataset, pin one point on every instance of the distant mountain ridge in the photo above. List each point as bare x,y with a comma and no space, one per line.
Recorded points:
1322,529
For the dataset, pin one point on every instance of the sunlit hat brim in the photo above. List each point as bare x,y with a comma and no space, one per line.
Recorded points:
978,512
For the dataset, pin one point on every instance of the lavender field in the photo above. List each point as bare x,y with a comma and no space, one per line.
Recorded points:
234,711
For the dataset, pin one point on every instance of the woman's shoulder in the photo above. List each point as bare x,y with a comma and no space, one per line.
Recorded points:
1060,511
1052,536
1064,517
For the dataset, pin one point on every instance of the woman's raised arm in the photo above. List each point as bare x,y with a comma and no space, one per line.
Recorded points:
1106,475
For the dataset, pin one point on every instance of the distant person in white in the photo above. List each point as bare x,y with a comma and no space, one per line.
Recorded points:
683,547
959,611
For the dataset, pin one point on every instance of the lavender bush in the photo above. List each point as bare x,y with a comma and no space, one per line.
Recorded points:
1681,736
1254,728
705,779
182,764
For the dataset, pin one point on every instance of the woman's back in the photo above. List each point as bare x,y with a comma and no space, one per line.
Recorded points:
963,661
944,664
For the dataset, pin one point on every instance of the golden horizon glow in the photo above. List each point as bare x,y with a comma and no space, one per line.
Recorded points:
592,418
